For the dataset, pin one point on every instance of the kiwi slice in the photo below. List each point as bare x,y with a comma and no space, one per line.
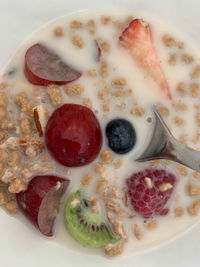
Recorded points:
87,228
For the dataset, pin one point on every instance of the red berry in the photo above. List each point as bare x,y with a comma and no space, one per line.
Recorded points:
43,67
137,39
73,135
40,202
149,196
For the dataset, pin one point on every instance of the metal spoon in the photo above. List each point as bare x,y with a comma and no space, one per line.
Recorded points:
164,146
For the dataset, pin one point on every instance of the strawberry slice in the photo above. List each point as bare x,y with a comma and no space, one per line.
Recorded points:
40,202
137,40
43,67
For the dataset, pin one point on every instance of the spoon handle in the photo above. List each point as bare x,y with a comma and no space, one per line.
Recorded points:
180,153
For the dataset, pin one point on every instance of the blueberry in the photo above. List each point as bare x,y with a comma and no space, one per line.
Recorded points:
121,135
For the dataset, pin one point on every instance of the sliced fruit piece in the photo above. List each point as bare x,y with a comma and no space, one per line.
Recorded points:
138,41
121,135
73,135
40,202
87,228
149,190
43,67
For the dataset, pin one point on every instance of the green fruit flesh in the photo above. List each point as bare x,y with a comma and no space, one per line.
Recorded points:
87,228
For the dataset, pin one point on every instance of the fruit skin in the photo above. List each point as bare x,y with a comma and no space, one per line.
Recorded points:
121,135
150,201
40,201
73,135
43,67
86,233
137,39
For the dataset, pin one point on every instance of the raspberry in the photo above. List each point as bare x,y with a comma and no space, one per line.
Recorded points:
149,191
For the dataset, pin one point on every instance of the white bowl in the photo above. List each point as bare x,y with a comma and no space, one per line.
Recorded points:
21,246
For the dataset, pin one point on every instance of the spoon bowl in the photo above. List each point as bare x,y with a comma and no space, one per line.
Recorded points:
164,146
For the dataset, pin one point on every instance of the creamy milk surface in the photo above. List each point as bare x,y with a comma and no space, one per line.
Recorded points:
144,94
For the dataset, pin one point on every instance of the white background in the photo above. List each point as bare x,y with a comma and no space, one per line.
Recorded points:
20,247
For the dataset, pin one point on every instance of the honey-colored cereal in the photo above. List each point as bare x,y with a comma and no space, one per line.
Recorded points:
172,59
195,73
3,135
148,182
55,95
91,73
183,139
168,40
106,156
101,186
113,205
194,208
87,180
112,250
150,225
181,87
14,159
137,231
3,198
26,126
11,206
154,162
106,107
118,24
179,121
182,170
4,156
2,113
74,90
103,69
99,168
76,24
122,93
187,58
117,163
58,31
105,20
138,111
179,106
166,186
118,82
180,45
105,46
118,228
178,212
87,102
77,41
102,94
164,111
193,190
91,27
194,90
16,186
3,99
116,192
196,175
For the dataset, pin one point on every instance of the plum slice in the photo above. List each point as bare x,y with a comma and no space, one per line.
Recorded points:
43,67
40,202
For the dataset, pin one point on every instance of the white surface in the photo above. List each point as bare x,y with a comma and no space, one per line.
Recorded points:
18,245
